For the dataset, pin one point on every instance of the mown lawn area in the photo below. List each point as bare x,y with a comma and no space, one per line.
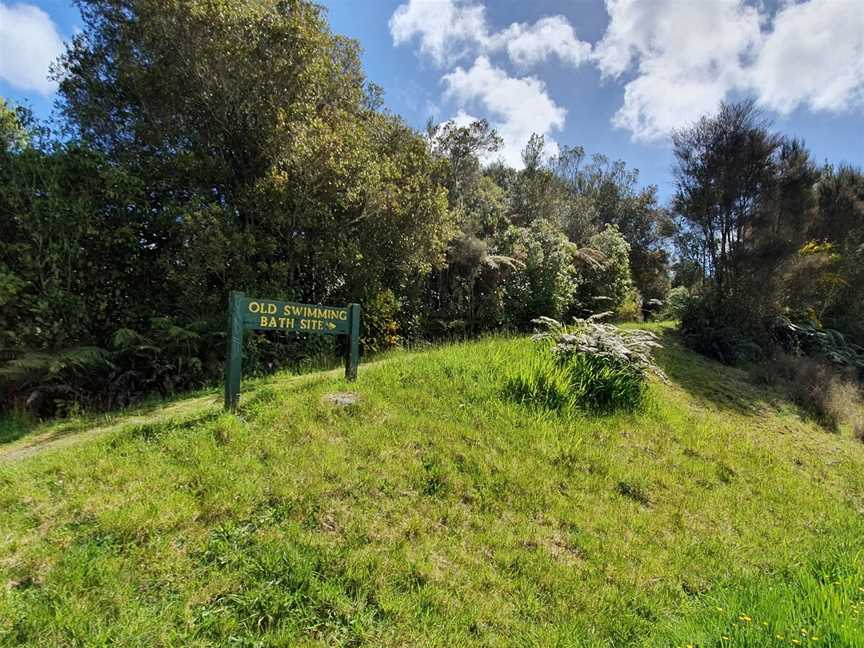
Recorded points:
435,512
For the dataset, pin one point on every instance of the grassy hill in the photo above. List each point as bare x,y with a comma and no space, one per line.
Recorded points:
435,512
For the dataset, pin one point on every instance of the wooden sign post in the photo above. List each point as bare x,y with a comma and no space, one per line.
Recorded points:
272,315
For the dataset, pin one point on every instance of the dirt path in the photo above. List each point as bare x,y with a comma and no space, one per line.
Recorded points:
60,435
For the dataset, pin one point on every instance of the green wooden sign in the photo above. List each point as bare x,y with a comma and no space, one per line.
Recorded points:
246,313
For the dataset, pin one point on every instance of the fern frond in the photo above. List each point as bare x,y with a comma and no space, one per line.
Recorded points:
35,367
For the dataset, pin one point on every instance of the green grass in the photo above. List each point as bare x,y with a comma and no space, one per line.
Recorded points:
438,512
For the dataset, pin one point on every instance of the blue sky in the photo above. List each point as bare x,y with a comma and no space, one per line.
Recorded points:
614,77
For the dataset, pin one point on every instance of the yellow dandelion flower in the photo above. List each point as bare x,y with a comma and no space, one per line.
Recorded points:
745,618
796,642
803,631
780,637
725,637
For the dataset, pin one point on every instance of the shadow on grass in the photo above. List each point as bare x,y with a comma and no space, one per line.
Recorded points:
14,427
149,416
739,389
712,382
153,430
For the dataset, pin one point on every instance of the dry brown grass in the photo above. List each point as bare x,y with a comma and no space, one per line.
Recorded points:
823,391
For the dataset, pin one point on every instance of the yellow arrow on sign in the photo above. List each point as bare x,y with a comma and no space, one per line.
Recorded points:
331,325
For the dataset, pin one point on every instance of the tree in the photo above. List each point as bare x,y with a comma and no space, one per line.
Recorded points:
14,132
71,262
839,221
210,145
463,147
251,124
725,172
547,279
603,192
607,281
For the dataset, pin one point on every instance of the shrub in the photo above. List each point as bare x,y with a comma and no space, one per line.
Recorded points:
729,331
676,303
807,338
606,283
546,280
631,309
50,383
824,391
595,366
379,320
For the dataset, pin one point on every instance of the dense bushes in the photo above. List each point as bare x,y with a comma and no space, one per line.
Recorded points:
594,366
608,282
770,246
162,359
676,303
808,339
723,329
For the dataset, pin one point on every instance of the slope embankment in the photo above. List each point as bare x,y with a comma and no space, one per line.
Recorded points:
433,511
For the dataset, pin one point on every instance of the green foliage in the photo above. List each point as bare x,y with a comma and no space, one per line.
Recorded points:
543,382
607,282
728,331
631,309
380,322
811,340
812,281
594,366
546,284
58,382
765,235
602,386
839,221
165,358
14,134
219,146
676,303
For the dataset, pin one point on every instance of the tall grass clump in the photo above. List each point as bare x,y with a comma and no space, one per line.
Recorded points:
590,365
544,383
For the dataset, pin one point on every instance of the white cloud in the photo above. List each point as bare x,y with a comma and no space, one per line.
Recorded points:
449,30
814,56
528,45
657,103
688,57
676,60
29,43
517,107
463,119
